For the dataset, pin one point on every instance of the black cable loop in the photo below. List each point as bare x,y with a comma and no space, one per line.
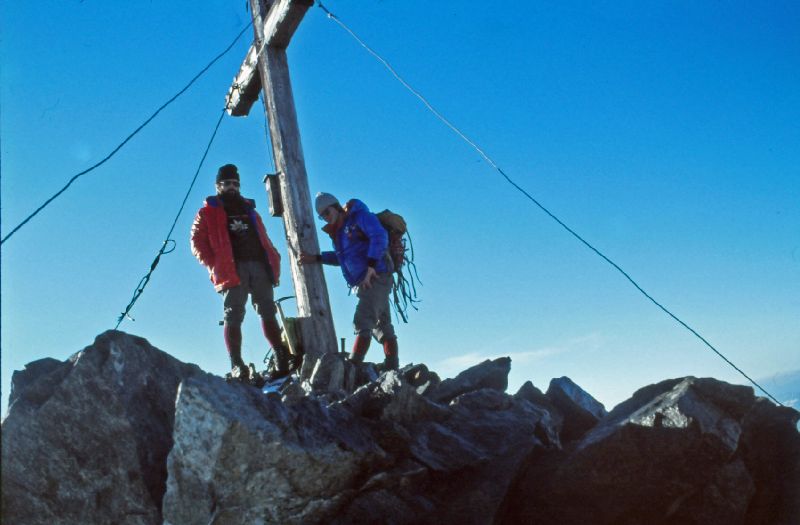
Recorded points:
163,251
174,246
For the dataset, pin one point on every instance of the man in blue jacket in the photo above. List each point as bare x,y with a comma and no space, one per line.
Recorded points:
360,247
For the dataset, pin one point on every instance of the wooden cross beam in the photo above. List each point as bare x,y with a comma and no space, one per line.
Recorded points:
276,31
266,68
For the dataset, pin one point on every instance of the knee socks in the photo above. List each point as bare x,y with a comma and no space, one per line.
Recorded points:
360,347
233,341
390,347
272,331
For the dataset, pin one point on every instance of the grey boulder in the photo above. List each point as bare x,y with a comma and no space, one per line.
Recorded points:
579,409
86,440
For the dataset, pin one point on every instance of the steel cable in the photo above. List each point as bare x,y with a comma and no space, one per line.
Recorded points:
128,138
493,164
163,251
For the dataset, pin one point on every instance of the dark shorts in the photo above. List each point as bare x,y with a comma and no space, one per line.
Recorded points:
373,314
256,281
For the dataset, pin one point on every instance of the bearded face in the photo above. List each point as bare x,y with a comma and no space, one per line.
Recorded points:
228,188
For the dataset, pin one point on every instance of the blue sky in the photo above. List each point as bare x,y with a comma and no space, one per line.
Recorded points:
665,133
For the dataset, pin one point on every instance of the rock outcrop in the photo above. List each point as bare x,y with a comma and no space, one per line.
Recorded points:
681,451
124,433
86,440
581,411
383,454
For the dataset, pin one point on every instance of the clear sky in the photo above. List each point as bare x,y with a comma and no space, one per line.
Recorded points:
665,133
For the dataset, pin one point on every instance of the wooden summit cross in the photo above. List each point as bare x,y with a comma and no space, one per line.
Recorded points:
266,67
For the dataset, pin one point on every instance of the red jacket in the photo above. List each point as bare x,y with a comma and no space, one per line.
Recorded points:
211,244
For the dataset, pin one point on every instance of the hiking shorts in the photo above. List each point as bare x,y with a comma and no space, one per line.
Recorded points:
373,314
255,282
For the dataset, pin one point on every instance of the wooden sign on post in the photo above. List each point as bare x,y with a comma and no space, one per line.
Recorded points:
265,67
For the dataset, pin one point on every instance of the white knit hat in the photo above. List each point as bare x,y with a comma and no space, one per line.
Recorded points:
324,200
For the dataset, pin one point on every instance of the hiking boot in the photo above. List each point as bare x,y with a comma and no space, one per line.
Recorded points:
240,373
281,363
391,362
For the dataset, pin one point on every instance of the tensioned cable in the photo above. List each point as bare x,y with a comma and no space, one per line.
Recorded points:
163,251
532,199
129,137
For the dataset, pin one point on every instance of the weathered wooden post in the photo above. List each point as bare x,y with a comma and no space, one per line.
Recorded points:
266,67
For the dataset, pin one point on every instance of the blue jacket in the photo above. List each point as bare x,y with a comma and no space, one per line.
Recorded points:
360,238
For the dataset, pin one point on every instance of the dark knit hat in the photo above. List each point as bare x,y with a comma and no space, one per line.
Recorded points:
228,172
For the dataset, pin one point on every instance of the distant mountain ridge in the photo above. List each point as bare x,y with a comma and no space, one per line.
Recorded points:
785,387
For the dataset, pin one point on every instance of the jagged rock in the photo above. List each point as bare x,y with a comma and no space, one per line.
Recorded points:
391,398
534,395
476,454
579,409
530,393
712,406
770,448
488,374
86,440
393,497
465,454
25,380
674,453
241,457
421,378
380,455
293,392
402,403
329,373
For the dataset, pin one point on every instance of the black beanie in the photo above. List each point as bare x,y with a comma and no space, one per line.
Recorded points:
228,172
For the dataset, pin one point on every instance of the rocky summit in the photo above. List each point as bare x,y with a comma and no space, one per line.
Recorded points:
123,433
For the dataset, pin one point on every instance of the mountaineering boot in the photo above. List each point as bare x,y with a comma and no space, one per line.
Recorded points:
233,341
391,360
281,363
239,373
360,347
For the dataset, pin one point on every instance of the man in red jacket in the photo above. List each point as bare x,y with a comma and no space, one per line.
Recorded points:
229,238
